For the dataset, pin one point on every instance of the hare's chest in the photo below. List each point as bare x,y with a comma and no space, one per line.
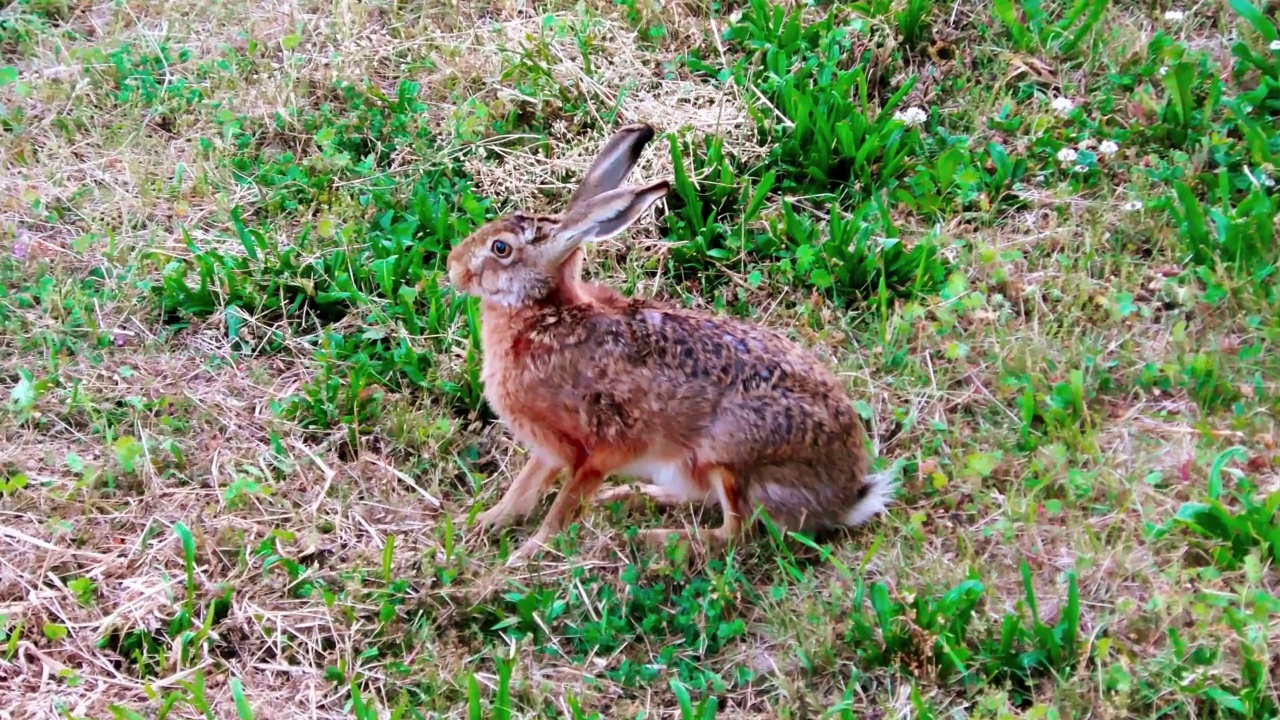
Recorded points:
506,386
532,404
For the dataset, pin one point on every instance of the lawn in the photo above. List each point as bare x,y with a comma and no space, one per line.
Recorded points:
244,433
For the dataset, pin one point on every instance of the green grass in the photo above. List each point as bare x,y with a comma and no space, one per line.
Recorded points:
244,429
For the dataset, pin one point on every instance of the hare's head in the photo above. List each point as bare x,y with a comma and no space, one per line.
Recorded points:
523,258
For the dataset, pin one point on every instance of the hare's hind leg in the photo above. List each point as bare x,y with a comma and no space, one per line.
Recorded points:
523,495
671,484
724,485
634,495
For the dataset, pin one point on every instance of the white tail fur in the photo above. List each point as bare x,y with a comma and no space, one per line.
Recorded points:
884,488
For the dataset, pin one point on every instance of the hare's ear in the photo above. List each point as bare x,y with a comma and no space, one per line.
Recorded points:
606,215
614,162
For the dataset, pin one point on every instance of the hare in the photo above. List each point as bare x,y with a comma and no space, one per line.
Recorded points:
705,407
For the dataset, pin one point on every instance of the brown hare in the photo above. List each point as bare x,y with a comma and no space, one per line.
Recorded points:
704,407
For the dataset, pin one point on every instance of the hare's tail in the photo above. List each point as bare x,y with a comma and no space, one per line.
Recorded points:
881,489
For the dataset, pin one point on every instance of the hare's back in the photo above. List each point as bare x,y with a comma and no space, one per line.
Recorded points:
640,369
773,400
726,353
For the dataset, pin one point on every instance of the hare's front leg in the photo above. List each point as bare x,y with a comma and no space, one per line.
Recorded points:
524,493
586,480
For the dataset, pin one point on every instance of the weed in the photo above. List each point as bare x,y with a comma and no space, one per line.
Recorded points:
1241,236
389,268
1254,526
1035,31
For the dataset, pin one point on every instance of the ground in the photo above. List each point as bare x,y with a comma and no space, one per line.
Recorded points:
244,432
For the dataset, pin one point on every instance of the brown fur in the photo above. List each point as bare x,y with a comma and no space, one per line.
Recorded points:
593,381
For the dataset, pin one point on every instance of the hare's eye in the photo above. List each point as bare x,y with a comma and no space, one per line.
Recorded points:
501,249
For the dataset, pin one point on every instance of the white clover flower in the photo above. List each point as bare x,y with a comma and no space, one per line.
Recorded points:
22,245
1063,106
1066,156
1274,46
1260,177
1108,147
1174,15
1133,206
911,116
1164,71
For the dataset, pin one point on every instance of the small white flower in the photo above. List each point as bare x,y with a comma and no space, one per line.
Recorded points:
911,116
1066,156
1063,106
1164,71
1107,147
1259,177
1174,15
1081,168
1133,206
22,245
1274,46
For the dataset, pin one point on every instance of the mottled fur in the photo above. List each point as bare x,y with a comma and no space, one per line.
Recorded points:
705,407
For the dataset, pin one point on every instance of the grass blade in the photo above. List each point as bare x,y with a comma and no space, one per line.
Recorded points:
1071,615
1007,14
1219,463
682,697
189,558
242,232
1096,11
758,197
1266,28
1193,222
243,711
502,703
473,699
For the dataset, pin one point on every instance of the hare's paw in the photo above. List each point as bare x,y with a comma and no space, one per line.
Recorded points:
657,539
631,498
636,497
526,552
494,518
707,540
617,493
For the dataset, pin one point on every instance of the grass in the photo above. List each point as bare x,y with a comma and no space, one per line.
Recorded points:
244,431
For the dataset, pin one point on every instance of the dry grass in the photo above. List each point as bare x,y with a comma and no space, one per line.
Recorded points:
93,185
